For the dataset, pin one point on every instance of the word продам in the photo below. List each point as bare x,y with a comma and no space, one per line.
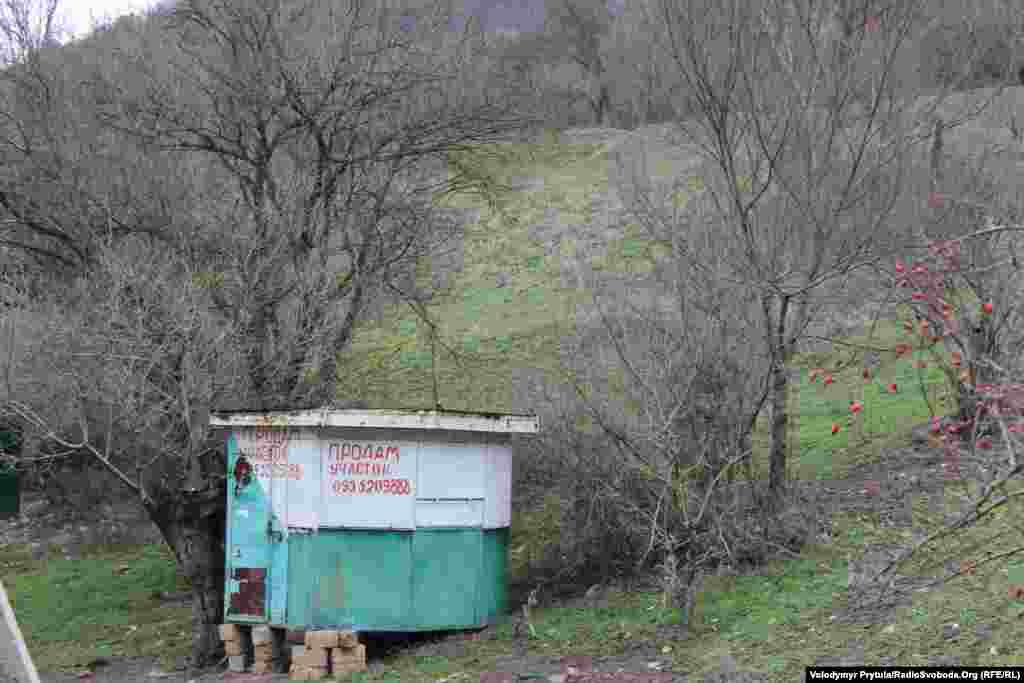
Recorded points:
352,451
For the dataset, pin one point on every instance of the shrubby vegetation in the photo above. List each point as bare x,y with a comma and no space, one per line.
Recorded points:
207,207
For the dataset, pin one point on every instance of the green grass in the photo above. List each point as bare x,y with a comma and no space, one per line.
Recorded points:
497,329
778,621
885,419
102,605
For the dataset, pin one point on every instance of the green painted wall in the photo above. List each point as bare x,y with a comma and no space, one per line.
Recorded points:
423,580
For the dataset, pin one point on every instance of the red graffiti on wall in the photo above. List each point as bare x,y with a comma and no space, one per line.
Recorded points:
373,464
338,452
374,469
275,470
394,487
271,444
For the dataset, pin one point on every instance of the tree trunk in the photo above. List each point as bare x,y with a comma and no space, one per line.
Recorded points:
602,106
981,344
193,527
778,422
777,402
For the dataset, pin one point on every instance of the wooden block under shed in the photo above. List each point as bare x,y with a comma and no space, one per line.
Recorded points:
356,654
347,668
306,673
348,639
318,658
263,653
259,667
230,632
322,639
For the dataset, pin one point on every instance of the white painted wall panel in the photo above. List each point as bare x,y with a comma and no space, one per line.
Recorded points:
380,478
301,498
448,470
498,508
449,513
286,465
369,483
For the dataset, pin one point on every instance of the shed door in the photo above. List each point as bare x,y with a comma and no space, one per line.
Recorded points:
249,511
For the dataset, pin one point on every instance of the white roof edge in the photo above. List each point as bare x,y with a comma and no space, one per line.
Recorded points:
451,421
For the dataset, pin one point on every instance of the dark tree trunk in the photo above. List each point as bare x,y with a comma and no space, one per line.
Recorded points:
778,416
602,106
193,526
778,429
982,344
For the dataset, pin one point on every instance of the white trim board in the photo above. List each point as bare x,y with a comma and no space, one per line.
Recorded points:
392,419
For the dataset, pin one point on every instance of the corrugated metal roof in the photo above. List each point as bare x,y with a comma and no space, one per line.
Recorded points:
395,419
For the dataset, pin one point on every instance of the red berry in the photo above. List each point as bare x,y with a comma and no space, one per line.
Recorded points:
835,428
987,307
892,387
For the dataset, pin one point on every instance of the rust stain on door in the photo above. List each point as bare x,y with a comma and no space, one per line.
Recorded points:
252,592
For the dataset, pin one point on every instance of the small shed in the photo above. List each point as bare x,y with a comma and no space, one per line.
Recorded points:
368,520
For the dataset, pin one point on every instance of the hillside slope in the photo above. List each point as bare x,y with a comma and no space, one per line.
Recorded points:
515,281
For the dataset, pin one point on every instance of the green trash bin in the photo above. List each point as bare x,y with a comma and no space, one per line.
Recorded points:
10,490
10,493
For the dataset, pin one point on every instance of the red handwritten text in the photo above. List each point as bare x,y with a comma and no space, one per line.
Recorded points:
279,471
375,469
271,445
352,451
394,487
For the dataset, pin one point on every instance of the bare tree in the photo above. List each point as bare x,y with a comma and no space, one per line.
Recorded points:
666,366
576,35
26,27
286,156
802,177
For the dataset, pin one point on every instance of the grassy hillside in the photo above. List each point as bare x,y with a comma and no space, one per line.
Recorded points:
529,241
777,621
516,293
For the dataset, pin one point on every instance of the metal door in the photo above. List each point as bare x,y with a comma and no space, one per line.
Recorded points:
249,521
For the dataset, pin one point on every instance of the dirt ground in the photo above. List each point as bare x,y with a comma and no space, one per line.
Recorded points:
882,488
